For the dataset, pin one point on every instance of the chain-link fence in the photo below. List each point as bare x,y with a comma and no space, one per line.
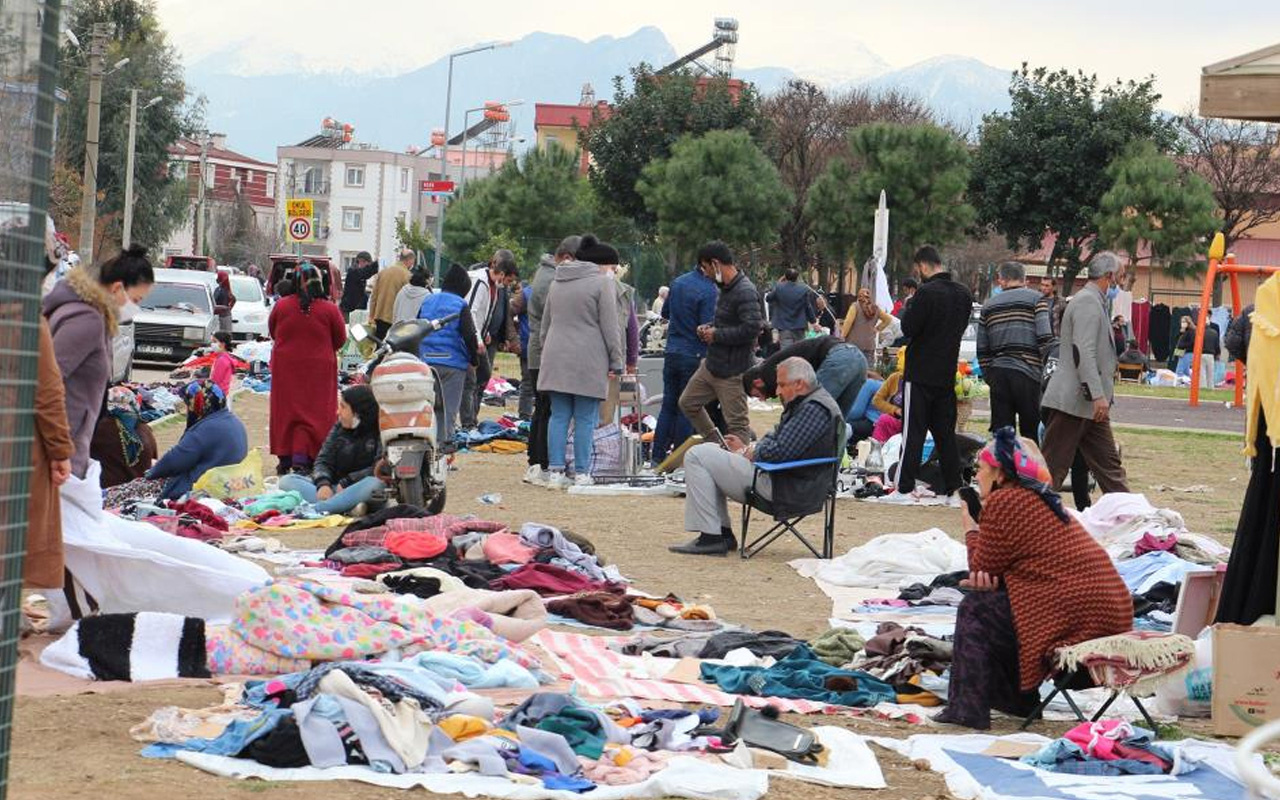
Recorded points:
29,31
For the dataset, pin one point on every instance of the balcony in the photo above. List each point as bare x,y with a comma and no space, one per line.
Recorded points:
313,188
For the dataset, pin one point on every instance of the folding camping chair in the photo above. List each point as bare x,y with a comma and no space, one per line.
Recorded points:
824,502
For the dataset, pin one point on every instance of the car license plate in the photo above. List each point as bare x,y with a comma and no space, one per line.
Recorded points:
154,349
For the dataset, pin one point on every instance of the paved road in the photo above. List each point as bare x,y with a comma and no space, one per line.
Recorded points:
1163,412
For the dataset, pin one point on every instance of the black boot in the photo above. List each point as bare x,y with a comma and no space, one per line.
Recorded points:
706,545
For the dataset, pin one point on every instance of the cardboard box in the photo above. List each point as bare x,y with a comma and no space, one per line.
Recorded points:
1246,678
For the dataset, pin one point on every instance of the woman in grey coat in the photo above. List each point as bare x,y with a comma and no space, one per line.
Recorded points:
581,346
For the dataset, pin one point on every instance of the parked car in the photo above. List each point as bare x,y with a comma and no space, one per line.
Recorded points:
177,316
249,314
282,264
198,263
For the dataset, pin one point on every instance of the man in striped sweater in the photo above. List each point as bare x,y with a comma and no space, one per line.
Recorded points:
1013,329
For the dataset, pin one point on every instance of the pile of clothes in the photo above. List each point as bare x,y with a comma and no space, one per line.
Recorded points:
155,400
507,434
1107,747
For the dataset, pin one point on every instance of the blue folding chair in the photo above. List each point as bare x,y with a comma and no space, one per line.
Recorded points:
824,502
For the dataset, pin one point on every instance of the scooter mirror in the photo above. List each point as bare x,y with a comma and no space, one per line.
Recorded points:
359,333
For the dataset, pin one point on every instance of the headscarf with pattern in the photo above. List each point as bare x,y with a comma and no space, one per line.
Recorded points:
202,399
1021,459
123,406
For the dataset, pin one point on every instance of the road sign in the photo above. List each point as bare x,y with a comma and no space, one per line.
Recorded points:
300,208
437,187
300,230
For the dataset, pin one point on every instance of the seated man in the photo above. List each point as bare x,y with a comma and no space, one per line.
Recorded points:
1132,355
713,474
841,369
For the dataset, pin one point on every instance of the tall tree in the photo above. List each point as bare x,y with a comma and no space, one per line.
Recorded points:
1153,202
155,70
716,186
831,213
1241,161
923,169
807,127
645,123
1041,168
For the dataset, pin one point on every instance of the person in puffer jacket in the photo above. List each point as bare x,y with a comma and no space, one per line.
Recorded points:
342,476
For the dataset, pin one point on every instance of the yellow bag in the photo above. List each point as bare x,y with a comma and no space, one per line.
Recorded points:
234,480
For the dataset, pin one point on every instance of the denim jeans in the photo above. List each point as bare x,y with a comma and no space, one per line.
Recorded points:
584,412
342,501
842,374
452,384
673,426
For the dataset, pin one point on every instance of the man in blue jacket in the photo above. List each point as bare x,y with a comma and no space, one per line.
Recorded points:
690,303
791,308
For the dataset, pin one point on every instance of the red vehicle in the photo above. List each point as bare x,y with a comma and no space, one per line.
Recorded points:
284,263
198,263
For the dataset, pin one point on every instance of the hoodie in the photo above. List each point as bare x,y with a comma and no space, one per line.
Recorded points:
408,302
579,330
82,319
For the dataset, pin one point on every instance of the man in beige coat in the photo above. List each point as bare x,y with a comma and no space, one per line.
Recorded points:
388,284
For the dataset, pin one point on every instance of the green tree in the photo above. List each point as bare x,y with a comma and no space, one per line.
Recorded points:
716,186
1042,167
155,70
923,170
1154,201
645,123
538,198
501,240
831,215
413,235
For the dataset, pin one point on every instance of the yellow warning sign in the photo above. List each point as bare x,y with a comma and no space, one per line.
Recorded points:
299,208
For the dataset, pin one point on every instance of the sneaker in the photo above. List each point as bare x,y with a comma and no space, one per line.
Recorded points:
922,493
583,480
534,476
557,480
706,545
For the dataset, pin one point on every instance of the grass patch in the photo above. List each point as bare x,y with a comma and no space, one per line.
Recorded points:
1173,392
1170,732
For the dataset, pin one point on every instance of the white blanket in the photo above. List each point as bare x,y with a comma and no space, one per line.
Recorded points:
890,561
1118,520
133,566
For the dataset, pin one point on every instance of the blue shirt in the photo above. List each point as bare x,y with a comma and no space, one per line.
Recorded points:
691,302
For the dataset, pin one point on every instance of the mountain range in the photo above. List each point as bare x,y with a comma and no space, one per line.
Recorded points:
259,112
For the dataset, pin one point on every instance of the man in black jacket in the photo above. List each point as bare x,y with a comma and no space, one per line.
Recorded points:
935,322
731,343
355,283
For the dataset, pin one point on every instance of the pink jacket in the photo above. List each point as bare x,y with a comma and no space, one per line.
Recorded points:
221,373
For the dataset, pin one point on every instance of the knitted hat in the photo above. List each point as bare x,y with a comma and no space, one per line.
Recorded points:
596,252
457,281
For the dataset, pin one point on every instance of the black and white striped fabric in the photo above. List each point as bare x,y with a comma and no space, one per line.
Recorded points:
145,646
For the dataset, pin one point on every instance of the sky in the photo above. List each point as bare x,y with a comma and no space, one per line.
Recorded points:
1171,39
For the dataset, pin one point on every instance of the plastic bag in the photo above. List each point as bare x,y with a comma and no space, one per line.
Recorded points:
1190,694
235,480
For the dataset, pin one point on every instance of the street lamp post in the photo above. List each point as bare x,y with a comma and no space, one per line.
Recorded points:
444,148
466,127
127,237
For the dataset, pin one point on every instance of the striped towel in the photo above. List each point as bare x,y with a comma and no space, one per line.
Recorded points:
600,672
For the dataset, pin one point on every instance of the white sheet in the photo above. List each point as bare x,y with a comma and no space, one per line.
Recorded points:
852,765
890,561
133,566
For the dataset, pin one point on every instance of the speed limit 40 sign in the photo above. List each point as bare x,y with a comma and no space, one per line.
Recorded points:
299,226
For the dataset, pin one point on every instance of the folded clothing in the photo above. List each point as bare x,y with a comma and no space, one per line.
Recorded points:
837,646
364,554
548,580
507,548
414,545
601,609
764,643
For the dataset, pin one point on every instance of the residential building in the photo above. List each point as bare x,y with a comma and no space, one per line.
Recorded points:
554,122
359,190
231,181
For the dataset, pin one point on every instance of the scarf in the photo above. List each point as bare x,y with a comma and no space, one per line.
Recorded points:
1008,452
122,405
202,399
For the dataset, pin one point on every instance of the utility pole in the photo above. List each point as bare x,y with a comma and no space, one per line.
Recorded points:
204,163
89,200
127,236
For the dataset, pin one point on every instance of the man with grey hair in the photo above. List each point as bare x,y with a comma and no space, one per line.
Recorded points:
1078,398
1013,327
715,474
539,288
386,287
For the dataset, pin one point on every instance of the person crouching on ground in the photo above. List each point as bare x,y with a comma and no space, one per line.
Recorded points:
713,474
214,438
840,367
1037,581
343,474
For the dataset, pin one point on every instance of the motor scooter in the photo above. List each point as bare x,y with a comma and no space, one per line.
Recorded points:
410,412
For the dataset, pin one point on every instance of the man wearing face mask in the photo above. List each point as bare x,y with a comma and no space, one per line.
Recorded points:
83,315
730,340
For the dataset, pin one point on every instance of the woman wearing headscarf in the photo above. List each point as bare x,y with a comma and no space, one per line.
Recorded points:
224,299
863,323
307,330
582,346
452,349
343,474
122,442
1037,582
214,438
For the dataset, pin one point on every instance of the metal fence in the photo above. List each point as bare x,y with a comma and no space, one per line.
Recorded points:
29,31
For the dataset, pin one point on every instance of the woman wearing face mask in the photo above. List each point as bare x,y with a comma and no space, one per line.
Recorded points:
83,315
343,474
214,438
223,368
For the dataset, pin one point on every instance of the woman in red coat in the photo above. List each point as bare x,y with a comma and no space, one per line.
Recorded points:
307,330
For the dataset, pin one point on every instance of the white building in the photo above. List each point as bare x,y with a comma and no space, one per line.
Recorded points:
360,191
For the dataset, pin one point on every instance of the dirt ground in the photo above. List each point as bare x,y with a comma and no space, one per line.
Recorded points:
73,747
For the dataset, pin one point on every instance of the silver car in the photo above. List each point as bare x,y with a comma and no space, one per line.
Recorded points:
177,316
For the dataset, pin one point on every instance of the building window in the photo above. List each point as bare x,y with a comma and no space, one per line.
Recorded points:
355,175
348,259
270,190
404,179
352,218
